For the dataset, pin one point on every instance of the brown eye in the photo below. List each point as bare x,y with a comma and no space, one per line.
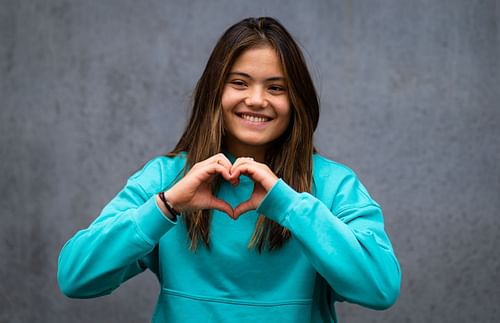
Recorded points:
277,89
238,83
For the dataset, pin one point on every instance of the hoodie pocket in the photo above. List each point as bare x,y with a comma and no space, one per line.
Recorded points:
179,307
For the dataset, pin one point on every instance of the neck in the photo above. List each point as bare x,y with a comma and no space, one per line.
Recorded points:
256,152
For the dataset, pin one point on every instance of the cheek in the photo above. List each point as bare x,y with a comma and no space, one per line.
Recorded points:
224,101
285,111
226,104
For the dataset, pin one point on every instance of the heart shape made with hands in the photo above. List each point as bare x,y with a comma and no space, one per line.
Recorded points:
250,203
193,191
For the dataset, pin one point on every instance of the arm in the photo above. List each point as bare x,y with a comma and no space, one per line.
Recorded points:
344,238
122,240
345,242
119,244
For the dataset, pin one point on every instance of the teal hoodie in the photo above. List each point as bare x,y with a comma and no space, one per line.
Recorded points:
339,251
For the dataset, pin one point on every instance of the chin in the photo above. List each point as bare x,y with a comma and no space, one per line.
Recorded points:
256,142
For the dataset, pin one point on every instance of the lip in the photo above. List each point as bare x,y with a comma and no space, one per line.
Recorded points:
260,125
253,114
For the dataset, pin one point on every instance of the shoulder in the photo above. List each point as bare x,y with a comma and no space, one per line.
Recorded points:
338,181
323,166
159,172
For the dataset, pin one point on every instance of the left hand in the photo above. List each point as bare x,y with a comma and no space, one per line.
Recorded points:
262,176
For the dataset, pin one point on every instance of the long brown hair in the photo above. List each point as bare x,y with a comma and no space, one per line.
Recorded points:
291,155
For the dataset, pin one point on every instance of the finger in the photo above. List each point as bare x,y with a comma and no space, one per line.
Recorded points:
219,158
236,167
235,177
246,206
222,159
259,173
221,206
242,160
213,169
227,164
243,167
206,172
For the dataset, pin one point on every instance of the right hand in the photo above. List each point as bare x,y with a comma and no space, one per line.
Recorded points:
193,191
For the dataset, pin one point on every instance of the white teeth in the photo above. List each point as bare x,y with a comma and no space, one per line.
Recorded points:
253,118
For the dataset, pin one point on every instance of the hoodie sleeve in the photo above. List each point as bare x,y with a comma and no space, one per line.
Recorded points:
120,243
344,240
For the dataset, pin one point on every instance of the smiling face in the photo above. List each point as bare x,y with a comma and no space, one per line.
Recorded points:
255,103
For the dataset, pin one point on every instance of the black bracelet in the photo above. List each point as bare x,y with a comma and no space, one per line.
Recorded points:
169,207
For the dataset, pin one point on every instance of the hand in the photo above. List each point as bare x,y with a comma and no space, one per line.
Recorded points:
263,178
193,191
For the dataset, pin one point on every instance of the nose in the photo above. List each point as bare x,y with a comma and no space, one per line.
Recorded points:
256,98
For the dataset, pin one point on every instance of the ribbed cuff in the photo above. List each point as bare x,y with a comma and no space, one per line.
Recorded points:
278,202
151,220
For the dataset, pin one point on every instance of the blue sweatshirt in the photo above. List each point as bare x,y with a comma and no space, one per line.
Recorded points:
339,251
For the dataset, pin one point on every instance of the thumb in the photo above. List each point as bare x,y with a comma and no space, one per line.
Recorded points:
222,206
244,207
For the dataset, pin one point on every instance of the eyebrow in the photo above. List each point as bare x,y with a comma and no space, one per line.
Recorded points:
273,78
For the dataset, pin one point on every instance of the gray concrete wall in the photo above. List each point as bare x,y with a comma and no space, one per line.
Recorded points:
90,90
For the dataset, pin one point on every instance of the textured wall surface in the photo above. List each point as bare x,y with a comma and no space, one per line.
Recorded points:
91,90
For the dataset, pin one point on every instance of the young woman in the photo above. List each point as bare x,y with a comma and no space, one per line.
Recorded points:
243,221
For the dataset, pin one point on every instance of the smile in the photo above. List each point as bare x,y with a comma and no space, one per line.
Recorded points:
255,119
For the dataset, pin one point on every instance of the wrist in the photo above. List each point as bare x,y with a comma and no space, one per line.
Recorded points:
166,207
172,199
268,185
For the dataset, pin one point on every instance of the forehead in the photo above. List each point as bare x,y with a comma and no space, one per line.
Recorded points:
258,61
